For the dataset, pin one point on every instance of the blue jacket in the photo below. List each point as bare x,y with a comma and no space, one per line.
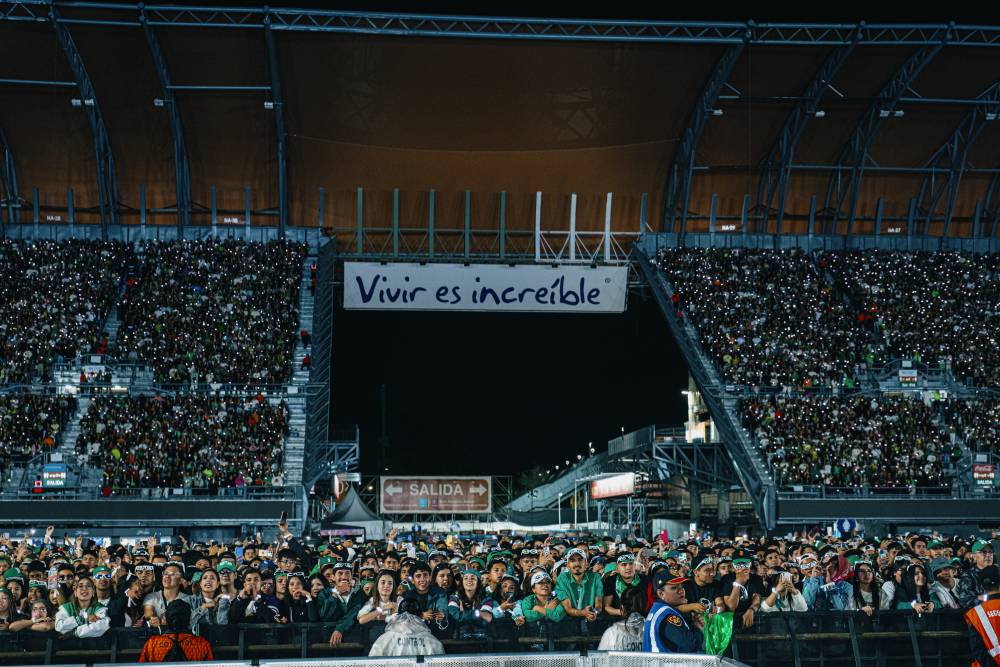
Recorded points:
666,631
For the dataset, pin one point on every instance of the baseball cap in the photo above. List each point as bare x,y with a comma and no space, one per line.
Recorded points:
576,552
226,565
979,545
664,577
625,558
702,561
540,576
938,564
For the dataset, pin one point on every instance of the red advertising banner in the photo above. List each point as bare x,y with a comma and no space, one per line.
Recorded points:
436,495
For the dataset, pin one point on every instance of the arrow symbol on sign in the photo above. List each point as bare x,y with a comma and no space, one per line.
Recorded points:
393,490
478,490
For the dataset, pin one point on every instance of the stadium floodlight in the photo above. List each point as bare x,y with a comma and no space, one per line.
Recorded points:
579,457
557,467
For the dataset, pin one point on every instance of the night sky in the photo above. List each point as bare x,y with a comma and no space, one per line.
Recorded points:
497,393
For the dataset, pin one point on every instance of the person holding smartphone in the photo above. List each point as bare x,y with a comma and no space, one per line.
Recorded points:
783,596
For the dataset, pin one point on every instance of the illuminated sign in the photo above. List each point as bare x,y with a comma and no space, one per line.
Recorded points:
54,476
432,495
612,487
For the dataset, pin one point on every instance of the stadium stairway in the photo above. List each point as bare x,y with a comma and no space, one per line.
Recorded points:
546,496
295,445
112,324
67,439
722,400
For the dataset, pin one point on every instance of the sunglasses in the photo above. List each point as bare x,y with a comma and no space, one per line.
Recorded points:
102,577
296,574
529,552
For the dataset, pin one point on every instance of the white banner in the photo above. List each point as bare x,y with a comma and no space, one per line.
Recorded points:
485,287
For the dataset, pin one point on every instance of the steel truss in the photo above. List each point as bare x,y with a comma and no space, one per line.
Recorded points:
777,166
278,104
991,205
854,154
929,39
182,171
482,27
107,182
678,187
8,181
952,156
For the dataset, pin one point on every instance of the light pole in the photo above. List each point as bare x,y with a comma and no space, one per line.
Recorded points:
560,510
575,501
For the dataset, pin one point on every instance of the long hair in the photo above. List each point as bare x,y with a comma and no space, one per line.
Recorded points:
634,601
74,602
859,600
910,591
478,595
438,569
394,594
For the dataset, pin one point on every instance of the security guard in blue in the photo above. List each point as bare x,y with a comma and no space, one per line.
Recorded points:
666,630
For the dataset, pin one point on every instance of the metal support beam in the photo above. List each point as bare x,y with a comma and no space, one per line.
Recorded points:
38,82
278,102
8,180
953,155
777,166
107,182
678,187
506,28
855,150
182,171
991,204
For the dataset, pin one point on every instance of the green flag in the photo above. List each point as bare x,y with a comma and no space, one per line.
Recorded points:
718,632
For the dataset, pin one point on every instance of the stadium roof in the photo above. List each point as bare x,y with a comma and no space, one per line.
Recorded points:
879,119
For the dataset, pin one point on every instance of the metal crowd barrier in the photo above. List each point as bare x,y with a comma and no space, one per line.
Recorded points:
594,659
828,639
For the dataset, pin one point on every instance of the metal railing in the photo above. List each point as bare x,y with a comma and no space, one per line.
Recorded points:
786,638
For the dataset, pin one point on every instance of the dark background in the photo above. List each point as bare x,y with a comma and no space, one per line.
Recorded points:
497,393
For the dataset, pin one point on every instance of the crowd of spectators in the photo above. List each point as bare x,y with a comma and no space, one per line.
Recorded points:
977,422
938,308
31,424
191,441
54,298
214,312
766,317
878,441
406,596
